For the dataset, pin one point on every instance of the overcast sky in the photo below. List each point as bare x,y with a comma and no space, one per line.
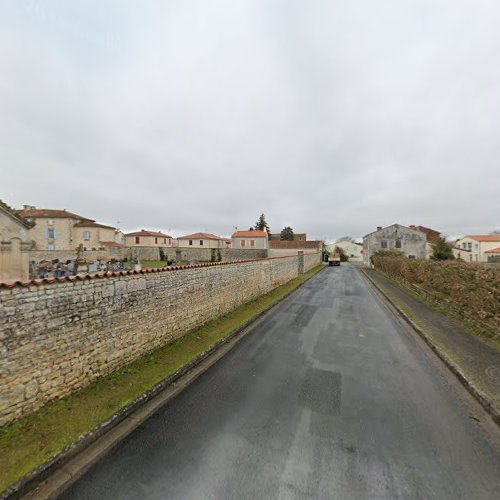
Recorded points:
329,116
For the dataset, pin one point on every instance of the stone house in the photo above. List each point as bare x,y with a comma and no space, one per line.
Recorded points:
479,246
64,230
202,240
145,238
15,244
250,240
411,242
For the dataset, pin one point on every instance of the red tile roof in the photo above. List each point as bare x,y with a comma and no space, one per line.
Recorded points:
200,236
484,237
112,244
35,213
143,232
295,245
250,234
493,250
91,223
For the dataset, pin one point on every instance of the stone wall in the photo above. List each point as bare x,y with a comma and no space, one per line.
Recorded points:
205,254
58,335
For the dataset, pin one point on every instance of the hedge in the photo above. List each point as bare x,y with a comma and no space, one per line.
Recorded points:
469,291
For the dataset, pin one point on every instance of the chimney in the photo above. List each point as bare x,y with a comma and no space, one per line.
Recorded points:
379,228
28,207
412,226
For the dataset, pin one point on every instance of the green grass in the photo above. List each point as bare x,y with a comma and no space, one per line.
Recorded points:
154,263
29,442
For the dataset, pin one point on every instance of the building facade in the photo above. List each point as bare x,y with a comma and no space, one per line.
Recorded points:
408,241
15,244
353,250
479,245
250,240
145,238
202,240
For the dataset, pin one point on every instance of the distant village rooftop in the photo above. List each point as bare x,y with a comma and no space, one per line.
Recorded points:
250,234
201,236
144,232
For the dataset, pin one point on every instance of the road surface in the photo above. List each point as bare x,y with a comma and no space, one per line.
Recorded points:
329,397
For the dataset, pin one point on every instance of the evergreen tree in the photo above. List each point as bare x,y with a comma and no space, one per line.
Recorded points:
442,250
261,224
286,234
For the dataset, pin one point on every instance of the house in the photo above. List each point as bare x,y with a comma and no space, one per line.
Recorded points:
144,238
250,240
493,255
15,244
462,253
431,235
283,248
410,242
478,245
63,230
202,240
353,250
296,236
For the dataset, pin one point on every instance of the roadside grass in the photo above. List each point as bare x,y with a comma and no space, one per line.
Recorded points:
483,335
31,441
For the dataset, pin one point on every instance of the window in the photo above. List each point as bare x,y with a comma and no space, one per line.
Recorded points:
51,246
50,222
398,243
190,243
252,243
86,235
383,244
164,241
243,243
469,246
137,240
51,233
411,256
156,240
201,243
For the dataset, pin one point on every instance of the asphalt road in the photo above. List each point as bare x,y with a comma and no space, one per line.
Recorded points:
329,397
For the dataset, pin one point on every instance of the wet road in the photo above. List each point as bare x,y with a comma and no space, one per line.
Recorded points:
329,397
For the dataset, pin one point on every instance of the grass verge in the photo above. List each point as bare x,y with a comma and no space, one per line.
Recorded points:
29,442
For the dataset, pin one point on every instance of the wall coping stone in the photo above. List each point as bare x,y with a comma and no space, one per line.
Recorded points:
110,274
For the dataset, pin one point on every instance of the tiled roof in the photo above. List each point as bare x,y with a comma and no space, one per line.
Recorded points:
15,215
91,223
200,236
484,237
143,232
34,213
493,250
296,245
112,244
250,234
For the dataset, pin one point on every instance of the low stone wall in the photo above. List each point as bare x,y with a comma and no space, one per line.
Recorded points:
212,254
58,335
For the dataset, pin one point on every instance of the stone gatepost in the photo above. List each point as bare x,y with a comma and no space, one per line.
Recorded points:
300,254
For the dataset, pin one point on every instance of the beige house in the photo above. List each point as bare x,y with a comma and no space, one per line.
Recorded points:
15,243
93,235
63,230
202,240
250,240
354,251
144,238
478,245
280,248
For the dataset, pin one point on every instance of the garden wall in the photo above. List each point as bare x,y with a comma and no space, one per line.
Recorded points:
58,335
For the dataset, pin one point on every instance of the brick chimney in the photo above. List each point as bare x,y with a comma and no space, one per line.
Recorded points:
412,226
379,228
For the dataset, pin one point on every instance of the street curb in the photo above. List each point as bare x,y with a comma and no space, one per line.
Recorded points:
53,469
454,368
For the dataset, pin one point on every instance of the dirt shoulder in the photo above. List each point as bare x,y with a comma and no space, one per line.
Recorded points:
474,361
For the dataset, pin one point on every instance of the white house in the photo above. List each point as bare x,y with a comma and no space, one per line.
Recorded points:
250,240
478,245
